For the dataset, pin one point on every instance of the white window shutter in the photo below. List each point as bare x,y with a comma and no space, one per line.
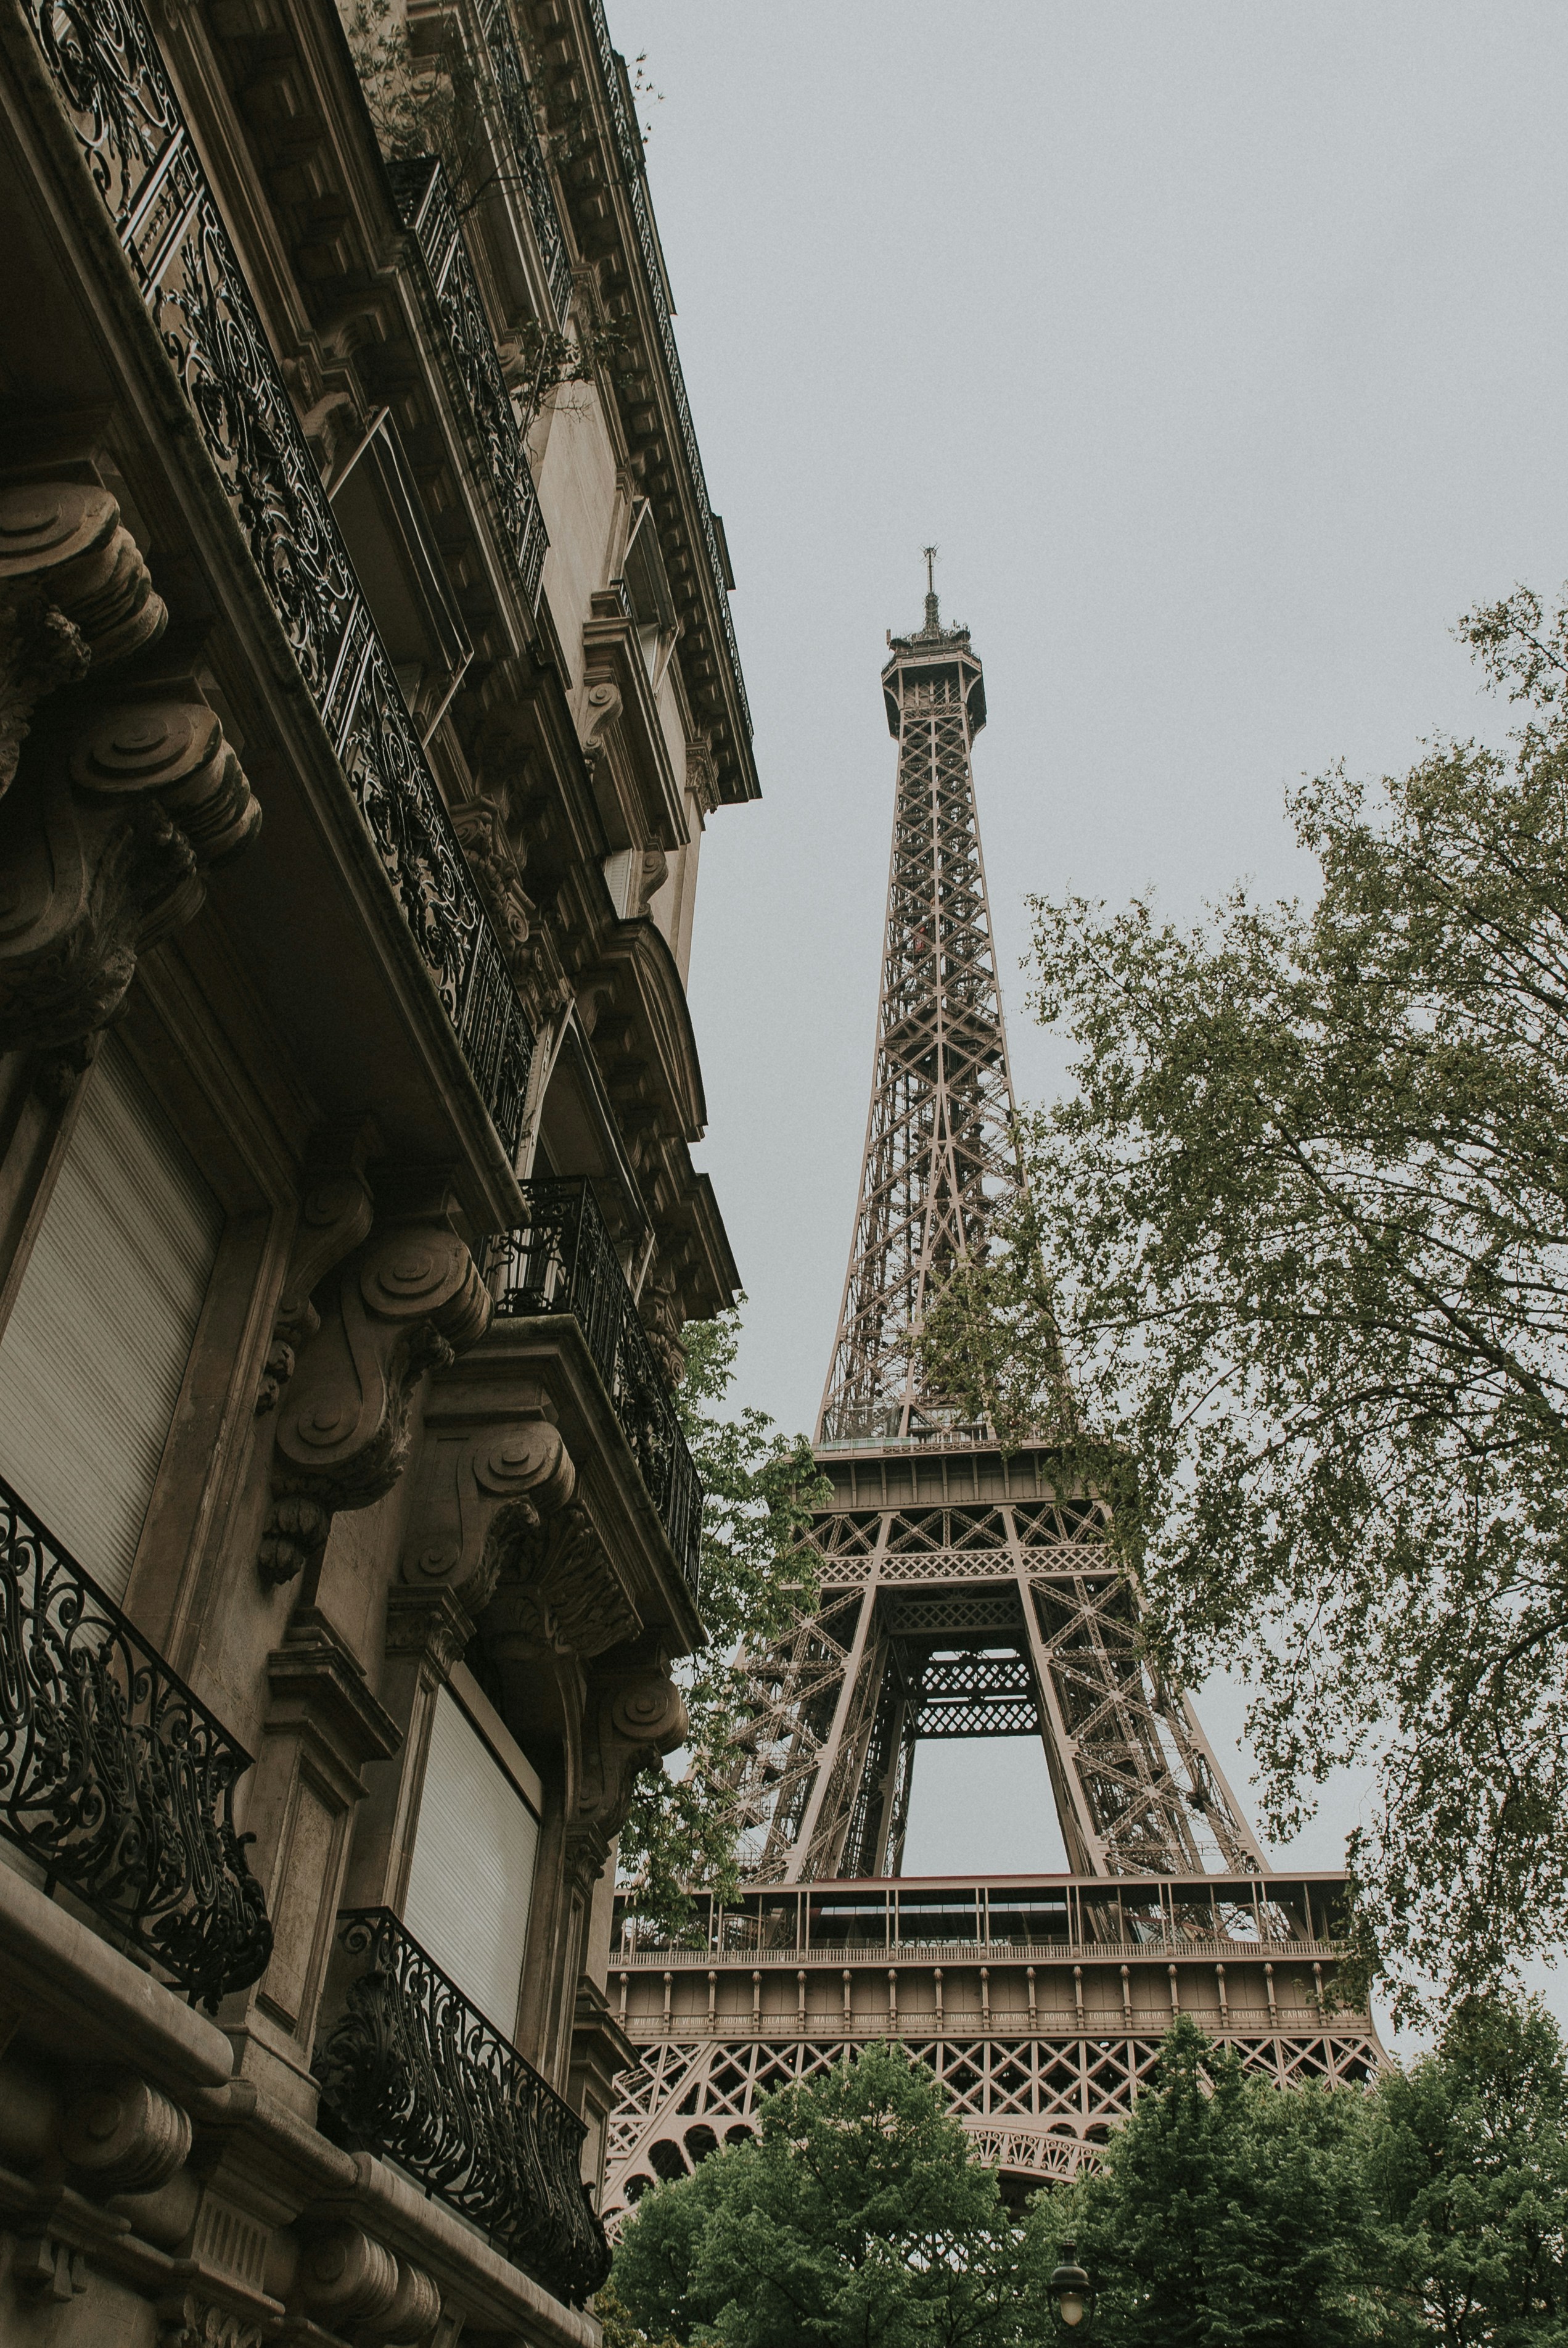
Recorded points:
472,1875
94,1354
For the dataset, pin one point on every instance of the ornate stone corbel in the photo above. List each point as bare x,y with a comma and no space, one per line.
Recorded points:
191,2321
483,1497
352,2284
497,861
701,774
557,1588
335,1213
103,852
635,1713
659,1312
602,707
399,1306
125,2134
73,590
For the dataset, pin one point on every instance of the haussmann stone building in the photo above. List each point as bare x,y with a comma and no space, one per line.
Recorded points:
367,682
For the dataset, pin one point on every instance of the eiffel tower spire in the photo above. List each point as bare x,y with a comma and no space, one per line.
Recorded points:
939,1150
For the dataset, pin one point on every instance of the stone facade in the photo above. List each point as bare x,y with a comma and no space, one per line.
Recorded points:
363,696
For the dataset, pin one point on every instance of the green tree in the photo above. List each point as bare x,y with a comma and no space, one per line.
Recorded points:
760,1488
1467,2163
1291,1289
1229,2214
856,2219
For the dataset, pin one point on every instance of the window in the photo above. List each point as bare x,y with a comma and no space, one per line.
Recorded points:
93,1357
471,1880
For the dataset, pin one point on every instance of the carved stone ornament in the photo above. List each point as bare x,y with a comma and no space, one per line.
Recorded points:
483,1497
125,2135
191,2321
557,1589
603,707
496,860
335,1213
658,1311
633,1716
701,774
102,853
73,590
397,1308
352,2284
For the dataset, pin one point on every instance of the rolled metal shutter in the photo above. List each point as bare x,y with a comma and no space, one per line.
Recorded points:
94,1354
471,1879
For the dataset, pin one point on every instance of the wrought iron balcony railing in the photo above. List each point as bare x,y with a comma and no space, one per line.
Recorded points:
108,74
411,2070
424,201
561,1261
114,1779
523,132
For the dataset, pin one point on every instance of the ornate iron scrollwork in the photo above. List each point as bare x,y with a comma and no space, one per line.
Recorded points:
517,107
411,2069
424,201
113,1776
105,66
561,1261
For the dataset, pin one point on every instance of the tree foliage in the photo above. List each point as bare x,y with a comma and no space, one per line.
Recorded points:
1468,2168
1291,1287
1229,2214
853,2219
1432,2212
760,1488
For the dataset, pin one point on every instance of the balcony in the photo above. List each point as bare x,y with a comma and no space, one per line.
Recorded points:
412,2071
425,202
561,1261
109,75
114,1779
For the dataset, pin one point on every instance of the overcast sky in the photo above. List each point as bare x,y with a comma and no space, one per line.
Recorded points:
1222,351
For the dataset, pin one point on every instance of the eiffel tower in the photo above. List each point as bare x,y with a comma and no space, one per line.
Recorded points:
963,1593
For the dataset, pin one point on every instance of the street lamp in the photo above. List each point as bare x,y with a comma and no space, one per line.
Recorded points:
1072,2291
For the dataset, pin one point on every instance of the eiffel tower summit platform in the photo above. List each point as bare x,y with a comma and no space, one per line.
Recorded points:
962,1594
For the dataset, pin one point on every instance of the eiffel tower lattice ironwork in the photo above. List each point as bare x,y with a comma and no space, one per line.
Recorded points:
963,1592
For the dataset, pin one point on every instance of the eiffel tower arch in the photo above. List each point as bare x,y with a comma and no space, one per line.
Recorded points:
962,1594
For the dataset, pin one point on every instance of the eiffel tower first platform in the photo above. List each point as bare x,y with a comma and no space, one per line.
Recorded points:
962,1594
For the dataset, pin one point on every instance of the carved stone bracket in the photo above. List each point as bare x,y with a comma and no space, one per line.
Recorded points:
634,1713
398,1307
124,2136
74,590
497,858
353,2284
335,1213
483,1497
103,851
556,1587
603,708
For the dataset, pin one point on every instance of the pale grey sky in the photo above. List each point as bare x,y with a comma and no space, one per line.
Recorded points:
1222,351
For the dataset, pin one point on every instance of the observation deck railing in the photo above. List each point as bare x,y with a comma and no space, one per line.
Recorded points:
411,2070
561,1261
114,1779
